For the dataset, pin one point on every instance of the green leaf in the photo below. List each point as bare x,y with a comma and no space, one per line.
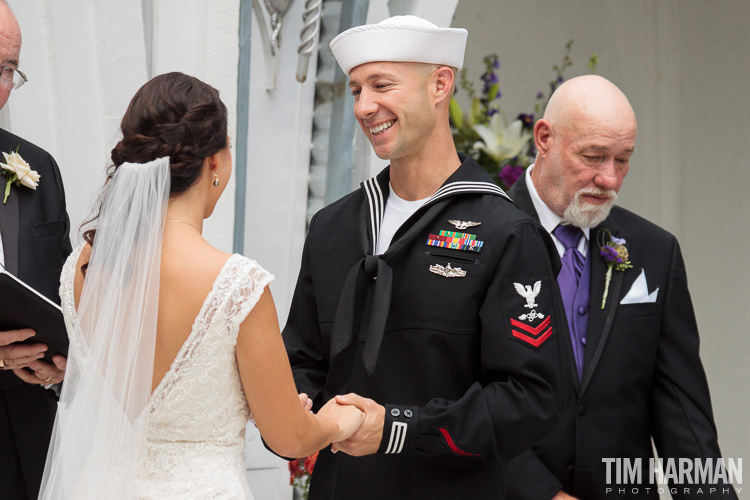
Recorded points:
492,92
476,112
9,179
456,115
593,61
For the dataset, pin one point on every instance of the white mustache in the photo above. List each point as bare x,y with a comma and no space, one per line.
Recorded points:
609,193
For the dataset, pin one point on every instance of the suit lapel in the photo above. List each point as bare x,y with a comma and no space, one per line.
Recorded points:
519,193
9,226
600,320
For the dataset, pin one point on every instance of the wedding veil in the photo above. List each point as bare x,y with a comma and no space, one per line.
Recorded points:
98,442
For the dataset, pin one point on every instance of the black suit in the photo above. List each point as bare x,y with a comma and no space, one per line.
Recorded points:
34,227
642,376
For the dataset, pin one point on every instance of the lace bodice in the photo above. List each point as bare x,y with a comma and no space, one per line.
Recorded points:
196,416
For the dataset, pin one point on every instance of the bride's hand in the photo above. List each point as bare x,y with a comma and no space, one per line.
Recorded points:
348,417
306,401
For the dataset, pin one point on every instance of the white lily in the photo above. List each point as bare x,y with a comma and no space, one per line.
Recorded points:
501,142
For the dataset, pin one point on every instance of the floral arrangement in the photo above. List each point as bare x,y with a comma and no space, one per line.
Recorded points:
505,149
300,473
615,254
17,171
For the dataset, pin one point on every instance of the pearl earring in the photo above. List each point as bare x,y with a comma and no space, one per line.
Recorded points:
216,179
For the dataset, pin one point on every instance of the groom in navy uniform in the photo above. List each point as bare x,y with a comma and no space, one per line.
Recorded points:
426,292
637,372
34,244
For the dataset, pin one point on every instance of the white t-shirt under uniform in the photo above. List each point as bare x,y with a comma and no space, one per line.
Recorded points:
397,210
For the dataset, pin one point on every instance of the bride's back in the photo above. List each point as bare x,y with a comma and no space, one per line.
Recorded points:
189,267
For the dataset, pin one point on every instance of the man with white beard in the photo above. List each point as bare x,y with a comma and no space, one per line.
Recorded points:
637,373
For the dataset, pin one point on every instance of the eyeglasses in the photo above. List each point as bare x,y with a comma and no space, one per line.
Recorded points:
11,78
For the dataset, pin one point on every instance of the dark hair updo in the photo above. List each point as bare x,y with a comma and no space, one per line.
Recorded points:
173,115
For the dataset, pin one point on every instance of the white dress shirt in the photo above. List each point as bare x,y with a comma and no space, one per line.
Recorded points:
550,220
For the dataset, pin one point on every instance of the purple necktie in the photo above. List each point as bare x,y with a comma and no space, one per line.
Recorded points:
575,297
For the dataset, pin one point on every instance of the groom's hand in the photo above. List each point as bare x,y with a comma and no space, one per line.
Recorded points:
366,440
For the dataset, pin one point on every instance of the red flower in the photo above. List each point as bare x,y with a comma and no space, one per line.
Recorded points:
310,462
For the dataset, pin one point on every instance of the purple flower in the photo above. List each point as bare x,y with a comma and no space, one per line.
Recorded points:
527,120
609,253
540,95
619,241
510,174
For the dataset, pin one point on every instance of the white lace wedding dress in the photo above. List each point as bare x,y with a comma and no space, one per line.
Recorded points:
196,417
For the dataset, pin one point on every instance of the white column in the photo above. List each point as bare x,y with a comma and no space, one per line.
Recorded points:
279,137
200,39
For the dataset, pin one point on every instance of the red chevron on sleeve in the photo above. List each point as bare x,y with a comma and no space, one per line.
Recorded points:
536,337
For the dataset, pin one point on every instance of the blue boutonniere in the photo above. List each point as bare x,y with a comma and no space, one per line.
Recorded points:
615,254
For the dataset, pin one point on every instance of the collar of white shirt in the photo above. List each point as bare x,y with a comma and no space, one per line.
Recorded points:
550,220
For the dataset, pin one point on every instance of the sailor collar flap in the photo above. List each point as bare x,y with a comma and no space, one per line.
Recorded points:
468,179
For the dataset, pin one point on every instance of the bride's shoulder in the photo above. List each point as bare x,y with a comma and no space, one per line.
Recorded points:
246,271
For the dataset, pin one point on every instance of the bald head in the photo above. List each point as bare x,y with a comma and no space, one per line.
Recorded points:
590,98
10,44
584,142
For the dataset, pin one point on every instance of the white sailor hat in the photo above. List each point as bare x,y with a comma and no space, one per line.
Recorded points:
400,39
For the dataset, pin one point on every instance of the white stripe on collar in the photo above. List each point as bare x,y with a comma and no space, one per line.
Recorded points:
468,187
377,207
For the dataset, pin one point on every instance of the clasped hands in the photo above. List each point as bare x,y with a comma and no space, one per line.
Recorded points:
358,436
15,356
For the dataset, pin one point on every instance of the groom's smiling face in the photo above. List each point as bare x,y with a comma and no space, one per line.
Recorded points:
10,45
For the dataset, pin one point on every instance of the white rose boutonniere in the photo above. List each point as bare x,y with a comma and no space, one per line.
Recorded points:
17,171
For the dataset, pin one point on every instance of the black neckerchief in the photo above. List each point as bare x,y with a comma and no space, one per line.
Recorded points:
468,179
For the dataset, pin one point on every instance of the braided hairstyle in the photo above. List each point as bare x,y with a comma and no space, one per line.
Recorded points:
173,115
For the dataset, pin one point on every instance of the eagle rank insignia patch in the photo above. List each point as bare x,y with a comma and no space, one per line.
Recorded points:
527,303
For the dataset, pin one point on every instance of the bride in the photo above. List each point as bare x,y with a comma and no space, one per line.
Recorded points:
173,343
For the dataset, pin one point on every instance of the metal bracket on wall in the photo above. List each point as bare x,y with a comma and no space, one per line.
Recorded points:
308,36
270,14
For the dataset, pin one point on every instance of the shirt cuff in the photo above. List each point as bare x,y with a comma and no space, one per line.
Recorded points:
399,429
55,388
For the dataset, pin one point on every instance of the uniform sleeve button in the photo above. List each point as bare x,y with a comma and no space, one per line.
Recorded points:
395,412
408,413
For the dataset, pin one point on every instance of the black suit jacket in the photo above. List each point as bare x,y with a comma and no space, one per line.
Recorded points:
642,378
34,226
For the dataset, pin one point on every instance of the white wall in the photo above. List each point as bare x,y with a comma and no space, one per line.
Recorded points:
84,61
683,64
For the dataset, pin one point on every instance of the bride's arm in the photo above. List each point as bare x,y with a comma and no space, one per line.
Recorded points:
285,425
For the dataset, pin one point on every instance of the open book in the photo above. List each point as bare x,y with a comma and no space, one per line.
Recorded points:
23,307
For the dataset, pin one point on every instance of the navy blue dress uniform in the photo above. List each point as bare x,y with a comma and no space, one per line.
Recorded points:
458,329
642,378
34,226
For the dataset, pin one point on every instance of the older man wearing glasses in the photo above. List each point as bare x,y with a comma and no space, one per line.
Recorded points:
34,243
